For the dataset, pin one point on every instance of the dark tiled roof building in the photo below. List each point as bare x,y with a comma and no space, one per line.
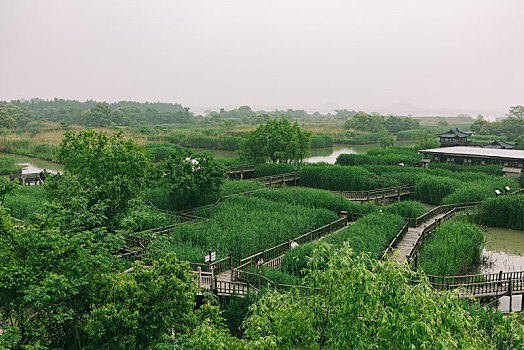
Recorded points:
454,138
499,145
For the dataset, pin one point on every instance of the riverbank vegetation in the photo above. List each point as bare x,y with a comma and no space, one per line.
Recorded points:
8,165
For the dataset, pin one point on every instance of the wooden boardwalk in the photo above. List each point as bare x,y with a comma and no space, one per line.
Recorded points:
377,194
240,170
280,179
413,235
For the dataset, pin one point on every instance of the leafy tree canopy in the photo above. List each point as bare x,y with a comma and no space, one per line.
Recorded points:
100,168
277,141
192,178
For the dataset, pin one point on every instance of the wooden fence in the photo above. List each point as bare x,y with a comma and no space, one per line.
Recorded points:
395,241
279,250
415,222
379,193
481,285
278,179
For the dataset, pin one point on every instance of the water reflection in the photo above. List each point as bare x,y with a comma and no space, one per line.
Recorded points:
504,251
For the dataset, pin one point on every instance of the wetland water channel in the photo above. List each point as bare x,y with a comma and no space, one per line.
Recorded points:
34,165
503,251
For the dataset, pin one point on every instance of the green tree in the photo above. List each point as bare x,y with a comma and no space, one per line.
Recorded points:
134,310
6,187
386,139
103,169
366,122
519,141
277,141
21,115
6,121
426,140
102,116
47,270
192,179
516,112
480,126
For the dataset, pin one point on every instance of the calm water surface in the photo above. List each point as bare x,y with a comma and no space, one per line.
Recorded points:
34,165
504,251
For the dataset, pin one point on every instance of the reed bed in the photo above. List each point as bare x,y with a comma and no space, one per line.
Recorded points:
342,178
452,249
371,235
8,165
314,198
230,187
504,211
242,226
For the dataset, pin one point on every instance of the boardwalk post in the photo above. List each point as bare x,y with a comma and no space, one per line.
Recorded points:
510,292
199,271
259,279
500,278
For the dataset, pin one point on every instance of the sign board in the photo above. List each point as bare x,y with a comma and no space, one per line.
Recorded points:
210,257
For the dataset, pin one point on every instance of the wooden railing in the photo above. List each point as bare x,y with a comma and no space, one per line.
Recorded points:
272,253
481,285
259,281
28,178
394,242
233,169
278,179
379,193
427,231
415,222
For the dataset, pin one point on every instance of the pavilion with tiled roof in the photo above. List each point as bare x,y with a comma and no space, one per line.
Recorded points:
454,138
499,144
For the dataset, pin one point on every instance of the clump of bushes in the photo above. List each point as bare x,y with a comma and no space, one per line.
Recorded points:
313,198
385,156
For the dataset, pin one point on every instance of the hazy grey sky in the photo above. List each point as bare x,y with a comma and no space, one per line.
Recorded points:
459,54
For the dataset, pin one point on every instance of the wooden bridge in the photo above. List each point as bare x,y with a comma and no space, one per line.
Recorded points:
377,194
407,243
228,276
280,179
240,170
29,178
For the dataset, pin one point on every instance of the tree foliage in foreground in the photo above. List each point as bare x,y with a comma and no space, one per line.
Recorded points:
276,141
102,169
367,304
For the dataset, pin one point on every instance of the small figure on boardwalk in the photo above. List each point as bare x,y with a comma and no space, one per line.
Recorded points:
260,262
294,244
